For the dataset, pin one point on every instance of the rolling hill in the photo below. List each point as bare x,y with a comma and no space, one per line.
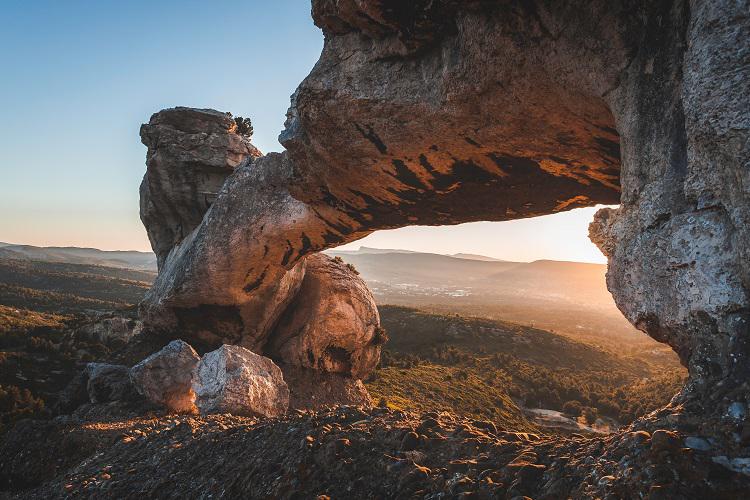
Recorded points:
440,361
566,297
126,259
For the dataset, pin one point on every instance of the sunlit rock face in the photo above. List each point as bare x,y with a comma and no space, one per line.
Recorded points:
191,152
333,323
446,112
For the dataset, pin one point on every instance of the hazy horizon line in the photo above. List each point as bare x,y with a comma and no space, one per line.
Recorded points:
385,250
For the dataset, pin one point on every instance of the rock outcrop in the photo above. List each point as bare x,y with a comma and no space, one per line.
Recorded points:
229,282
235,380
333,324
114,330
107,382
446,112
191,152
679,244
165,378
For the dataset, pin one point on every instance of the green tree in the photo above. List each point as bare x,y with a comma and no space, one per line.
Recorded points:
244,126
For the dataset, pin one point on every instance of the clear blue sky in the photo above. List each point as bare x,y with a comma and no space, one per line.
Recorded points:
79,77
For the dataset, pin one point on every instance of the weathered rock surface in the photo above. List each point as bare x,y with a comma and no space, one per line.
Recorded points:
190,154
678,245
333,323
229,281
166,377
437,134
107,382
235,380
115,330
312,389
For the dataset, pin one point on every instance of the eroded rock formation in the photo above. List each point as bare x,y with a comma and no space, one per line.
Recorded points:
445,112
678,245
191,153
333,324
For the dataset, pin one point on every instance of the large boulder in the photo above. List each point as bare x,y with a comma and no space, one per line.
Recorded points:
235,380
333,324
165,378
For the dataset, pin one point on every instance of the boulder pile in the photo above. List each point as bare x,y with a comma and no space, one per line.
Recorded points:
230,379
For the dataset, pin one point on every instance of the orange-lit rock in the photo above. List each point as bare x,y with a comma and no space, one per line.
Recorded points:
333,324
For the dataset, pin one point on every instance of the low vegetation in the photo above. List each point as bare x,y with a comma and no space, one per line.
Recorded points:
244,126
479,368
39,303
538,369
434,387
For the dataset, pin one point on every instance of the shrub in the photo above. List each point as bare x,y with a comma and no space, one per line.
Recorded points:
244,126
17,403
352,268
590,414
380,337
572,408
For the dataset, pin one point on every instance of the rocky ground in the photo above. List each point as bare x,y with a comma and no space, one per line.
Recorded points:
119,451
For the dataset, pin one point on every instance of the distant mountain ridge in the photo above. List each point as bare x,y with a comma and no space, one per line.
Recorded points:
125,259
473,256
480,275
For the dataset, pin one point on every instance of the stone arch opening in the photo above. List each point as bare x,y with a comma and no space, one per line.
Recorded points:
449,112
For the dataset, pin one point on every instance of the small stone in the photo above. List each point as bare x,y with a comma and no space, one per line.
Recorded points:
737,411
342,444
606,480
664,440
415,456
639,437
415,475
428,423
697,443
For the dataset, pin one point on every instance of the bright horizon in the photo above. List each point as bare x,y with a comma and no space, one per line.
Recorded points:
80,78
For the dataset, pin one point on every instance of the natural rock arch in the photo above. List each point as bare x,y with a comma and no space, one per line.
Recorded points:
447,112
